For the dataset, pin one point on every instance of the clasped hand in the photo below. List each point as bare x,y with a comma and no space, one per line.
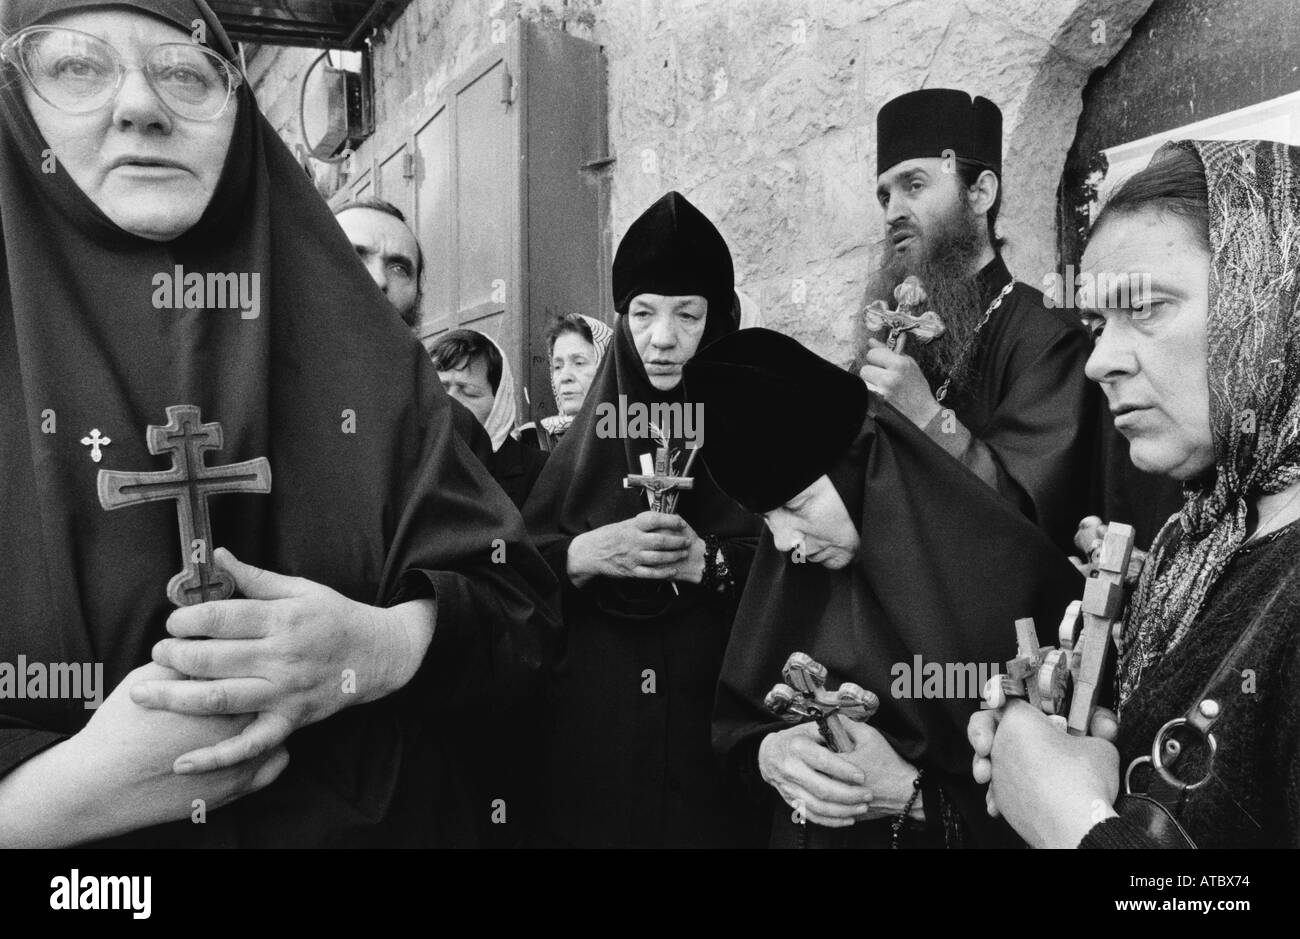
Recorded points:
1050,786
837,789
294,652
650,546
116,774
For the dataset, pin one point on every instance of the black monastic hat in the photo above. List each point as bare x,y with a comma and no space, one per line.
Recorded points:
923,124
674,250
777,416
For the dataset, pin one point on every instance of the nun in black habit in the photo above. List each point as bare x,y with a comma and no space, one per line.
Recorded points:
131,152
648,598
879,548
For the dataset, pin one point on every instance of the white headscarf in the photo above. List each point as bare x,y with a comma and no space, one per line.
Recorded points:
601,334
500,422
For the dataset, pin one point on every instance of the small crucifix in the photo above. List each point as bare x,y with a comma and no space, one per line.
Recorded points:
660,484
190,482
910,296
804,697
95,440
1021,677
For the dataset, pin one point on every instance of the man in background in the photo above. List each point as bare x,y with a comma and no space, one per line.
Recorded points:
389,250
1003,389
392,255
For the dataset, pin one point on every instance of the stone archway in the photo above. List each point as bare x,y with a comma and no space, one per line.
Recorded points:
763,113
1185,63
1041,120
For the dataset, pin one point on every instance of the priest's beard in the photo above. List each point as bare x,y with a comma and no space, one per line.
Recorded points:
951,250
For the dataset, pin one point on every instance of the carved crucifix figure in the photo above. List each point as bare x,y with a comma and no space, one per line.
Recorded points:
190,482
1056,673
804,697
908,318
1021,677
659,483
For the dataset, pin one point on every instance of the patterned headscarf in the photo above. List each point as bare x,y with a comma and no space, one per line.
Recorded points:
1254,374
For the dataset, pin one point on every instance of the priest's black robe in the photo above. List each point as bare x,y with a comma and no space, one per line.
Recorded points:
626,738
944,570
374,493
1027,414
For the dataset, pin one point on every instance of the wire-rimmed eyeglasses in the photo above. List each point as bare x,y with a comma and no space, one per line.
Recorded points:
78,73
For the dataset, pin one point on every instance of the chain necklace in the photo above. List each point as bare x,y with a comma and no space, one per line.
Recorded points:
970,345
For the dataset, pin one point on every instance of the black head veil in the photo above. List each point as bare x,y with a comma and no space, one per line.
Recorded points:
943,570
672,249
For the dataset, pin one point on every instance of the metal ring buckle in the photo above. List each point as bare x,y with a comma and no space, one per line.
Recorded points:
1128,774
1158,745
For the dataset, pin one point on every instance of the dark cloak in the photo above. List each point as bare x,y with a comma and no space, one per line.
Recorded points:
624,767
944,570
1030,408
516,467
398,509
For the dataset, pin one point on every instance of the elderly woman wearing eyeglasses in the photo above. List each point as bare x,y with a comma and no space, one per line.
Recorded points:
349,552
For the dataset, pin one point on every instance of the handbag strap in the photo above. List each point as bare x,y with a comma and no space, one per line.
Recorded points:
1206,710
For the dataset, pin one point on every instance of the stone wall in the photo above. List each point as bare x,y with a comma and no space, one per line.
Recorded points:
763,113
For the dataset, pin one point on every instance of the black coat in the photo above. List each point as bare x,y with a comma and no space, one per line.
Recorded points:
516,467
1030,411
374,490
626,736
1253,799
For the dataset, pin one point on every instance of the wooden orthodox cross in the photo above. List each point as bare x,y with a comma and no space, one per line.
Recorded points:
1049,676
1103,608
804,697
190,482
